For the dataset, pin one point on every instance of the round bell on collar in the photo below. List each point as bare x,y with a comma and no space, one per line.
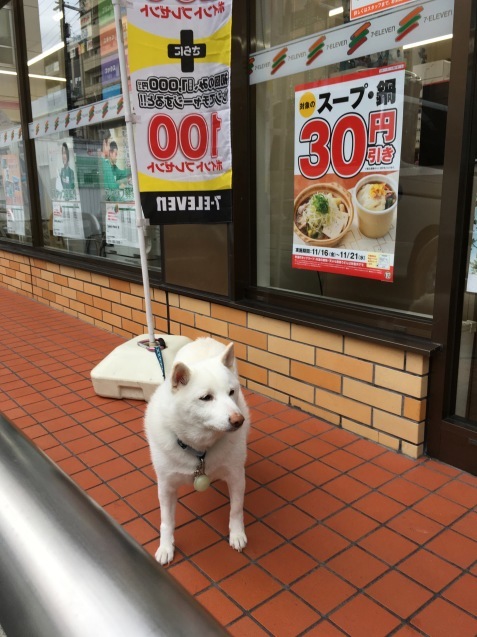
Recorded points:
201,483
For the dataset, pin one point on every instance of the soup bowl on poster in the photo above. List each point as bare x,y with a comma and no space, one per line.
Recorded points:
375,202
323,214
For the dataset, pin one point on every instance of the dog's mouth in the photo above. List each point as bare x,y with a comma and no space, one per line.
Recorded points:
230,429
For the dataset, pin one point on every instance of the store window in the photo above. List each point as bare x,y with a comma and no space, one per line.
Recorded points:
72,54
15,217
81,145
314,49
6,40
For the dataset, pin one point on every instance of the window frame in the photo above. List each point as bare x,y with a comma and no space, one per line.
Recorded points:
451,438
394,326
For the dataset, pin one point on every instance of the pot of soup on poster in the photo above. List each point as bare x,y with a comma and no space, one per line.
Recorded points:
346,173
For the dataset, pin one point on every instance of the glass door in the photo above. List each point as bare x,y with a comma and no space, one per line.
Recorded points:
452,406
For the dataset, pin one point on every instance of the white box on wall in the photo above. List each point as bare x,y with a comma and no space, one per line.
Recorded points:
438,71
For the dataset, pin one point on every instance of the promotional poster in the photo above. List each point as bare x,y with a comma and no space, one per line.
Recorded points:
15,209
67,217
179,59
121,226
347,156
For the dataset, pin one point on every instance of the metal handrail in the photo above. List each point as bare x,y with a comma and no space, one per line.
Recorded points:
68,570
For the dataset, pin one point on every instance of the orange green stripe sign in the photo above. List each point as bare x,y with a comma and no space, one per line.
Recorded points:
409,22
358,37
279,60
315,49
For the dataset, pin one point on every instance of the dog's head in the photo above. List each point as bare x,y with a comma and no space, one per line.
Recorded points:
207,394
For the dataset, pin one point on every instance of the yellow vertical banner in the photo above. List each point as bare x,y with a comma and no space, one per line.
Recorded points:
179,60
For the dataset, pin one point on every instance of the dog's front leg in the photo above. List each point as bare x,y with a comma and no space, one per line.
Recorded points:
167,502
236,486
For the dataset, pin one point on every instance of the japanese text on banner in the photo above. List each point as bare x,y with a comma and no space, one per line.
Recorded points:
347,156
182,103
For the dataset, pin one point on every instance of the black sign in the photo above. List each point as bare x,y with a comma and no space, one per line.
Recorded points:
203,206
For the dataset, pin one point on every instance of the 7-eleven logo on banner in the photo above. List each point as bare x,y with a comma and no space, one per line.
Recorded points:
180,80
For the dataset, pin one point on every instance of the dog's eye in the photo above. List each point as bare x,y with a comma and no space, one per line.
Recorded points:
206,397
231,392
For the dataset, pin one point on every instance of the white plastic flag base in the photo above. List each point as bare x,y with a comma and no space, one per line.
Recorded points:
132,370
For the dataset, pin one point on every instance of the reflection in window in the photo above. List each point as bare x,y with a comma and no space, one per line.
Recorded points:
87,199
72,53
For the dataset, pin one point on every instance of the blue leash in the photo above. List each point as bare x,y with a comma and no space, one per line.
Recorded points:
160,346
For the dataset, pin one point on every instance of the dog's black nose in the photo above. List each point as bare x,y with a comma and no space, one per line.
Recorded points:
236,420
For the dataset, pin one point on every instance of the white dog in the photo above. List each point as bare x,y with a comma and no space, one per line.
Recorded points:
196,425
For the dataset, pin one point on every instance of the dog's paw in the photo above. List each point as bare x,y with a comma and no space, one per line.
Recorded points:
165,553
238,540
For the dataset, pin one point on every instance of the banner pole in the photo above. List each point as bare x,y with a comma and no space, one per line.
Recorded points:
140,220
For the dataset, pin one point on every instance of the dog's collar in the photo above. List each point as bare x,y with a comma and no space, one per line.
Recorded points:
199,454
201,479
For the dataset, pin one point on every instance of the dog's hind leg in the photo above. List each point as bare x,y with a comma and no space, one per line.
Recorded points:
167,502
236,485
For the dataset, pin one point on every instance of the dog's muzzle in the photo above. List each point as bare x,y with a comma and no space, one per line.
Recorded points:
236,420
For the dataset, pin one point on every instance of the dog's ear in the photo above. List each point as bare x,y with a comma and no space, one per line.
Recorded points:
180,375
228,357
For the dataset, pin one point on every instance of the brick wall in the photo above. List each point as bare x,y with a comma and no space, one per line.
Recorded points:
375,391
